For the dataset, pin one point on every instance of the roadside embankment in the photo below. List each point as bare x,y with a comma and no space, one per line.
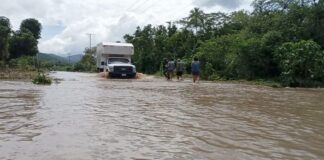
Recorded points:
17,74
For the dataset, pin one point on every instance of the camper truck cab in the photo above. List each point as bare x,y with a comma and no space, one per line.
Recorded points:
115,58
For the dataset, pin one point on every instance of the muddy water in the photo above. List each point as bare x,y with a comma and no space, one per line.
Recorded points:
85,117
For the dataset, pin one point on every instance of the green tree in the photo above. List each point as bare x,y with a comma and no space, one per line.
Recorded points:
91,51
214,22
301,63
221,54
23,43
239,55
86,64
195,20
5,31
33,26
239,45
279,5
143,40
314,23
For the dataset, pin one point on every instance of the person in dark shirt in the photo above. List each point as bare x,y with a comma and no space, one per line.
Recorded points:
195,70
170,68
180,67
165,68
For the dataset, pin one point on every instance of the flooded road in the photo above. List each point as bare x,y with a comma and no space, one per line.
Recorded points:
85,117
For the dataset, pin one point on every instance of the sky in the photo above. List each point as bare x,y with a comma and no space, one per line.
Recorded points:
67,23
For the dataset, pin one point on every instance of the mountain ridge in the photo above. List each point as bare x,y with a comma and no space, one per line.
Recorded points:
54,58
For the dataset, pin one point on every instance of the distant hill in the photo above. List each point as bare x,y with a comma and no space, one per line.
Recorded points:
51,58
56,58
74,58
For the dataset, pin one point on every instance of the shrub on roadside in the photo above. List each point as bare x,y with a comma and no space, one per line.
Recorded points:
87,64
301,64
42,79
24,63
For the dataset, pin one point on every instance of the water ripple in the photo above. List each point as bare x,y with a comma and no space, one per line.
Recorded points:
88,117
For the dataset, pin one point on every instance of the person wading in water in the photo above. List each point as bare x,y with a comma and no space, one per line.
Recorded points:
195,70
180,67
165,68
171,67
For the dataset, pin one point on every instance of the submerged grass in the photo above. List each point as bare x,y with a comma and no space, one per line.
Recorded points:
42,79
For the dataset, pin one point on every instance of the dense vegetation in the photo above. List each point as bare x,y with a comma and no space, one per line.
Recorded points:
18,50
279,40
17,44
14,44
87,62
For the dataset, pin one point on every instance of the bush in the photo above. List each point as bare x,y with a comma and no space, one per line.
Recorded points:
215,77
87,64
42,79
208,71
24,62
301,64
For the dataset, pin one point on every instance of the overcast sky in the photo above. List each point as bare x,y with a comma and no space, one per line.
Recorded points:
67,22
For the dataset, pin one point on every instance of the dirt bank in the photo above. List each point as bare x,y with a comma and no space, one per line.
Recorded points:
16,74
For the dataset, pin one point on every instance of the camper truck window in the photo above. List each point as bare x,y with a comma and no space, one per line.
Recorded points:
117,60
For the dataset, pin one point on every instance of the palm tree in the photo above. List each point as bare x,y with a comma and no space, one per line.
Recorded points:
195,20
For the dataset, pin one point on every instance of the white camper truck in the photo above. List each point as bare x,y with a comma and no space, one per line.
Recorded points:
115,58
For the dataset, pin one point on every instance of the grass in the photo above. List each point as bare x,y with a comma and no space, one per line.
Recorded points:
42,79
17,74
24,74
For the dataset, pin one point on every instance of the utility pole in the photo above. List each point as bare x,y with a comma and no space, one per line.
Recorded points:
90,38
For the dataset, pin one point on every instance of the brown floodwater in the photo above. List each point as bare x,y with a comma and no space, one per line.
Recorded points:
85,117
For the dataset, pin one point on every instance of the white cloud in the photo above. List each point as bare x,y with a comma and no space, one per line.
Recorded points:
109,20
230,4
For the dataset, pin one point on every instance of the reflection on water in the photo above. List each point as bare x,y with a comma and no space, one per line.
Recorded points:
87,117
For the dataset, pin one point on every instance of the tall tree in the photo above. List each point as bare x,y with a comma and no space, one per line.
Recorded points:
23,43
5,30
275,5
195,20
33,26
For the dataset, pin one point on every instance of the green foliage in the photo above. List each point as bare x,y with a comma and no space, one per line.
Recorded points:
90,51
216,55
208,71
195,20
5,30
87,64
301,63
42,79
23,63
19,43
314,23
32,25
23,43
240,45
